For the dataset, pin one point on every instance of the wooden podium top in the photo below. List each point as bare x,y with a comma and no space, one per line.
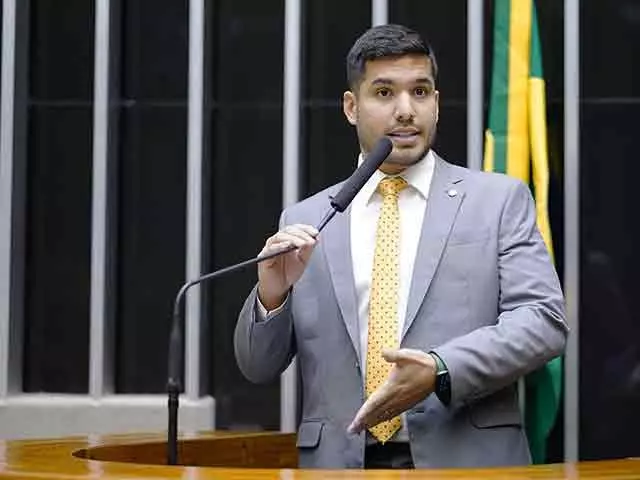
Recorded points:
232,455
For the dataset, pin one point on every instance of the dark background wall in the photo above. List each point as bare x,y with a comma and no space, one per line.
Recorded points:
242,181
246,92
610,233
59,111
150,110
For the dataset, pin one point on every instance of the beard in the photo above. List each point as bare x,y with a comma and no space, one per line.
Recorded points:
408,160
405,160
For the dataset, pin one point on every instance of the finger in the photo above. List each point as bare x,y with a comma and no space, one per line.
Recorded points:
291,245
366,418
304,252
357,424
301,229
298,237
294,238
359,421
275,246
371,411
308,229
406,356
277,242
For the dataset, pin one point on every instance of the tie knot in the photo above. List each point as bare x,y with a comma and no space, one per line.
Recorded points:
391,186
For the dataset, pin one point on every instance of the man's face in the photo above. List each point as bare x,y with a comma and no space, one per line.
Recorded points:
396,98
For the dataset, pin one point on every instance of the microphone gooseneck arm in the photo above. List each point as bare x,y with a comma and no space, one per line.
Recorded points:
338,204
175,338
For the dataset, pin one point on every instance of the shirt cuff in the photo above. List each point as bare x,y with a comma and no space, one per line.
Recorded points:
264,314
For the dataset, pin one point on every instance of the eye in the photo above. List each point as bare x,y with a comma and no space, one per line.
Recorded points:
383,92
421,91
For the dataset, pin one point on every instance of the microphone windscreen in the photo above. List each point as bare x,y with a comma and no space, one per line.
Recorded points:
356,181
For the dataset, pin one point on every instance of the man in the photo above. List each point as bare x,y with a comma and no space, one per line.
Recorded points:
426,300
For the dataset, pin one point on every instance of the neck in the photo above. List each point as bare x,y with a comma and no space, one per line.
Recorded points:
392,169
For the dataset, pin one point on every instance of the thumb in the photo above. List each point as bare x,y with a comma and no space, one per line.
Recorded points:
392,356
403,356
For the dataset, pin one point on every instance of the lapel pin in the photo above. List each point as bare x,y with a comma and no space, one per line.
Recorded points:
452,193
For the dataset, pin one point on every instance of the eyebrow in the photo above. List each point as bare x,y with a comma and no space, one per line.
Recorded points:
387,81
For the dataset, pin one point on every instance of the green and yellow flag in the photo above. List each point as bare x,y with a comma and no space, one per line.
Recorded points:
516,144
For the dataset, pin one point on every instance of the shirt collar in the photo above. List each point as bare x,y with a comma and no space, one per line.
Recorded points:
417,175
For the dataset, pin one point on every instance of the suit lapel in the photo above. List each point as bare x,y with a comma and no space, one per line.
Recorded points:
336,242
445,197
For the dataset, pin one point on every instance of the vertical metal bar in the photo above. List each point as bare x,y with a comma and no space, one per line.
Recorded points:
379,12
475,83
100,205
291,120
290,174
572,224
194,195
6,183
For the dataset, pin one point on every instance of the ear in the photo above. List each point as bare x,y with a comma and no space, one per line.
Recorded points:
350,107
437,109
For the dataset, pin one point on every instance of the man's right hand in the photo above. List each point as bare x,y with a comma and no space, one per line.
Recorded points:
278,274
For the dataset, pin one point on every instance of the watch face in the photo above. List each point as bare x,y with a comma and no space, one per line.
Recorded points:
443,387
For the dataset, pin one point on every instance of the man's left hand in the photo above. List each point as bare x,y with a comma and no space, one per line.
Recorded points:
412,378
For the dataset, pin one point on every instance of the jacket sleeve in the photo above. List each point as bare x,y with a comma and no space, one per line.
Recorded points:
530,328
264,348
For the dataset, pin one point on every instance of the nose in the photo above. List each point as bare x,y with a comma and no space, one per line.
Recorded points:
404,108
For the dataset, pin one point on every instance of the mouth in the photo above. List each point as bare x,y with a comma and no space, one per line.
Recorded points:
404,136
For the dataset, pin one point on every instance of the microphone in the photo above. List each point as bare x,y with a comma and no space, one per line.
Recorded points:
338,203
354,184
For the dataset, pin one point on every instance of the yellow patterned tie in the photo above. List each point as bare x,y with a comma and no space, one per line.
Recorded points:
383,302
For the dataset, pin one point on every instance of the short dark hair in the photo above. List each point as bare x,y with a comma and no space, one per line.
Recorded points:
385,41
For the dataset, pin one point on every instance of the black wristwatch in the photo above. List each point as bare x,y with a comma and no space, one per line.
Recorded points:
443,380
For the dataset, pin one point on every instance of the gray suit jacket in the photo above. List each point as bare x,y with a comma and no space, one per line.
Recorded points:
484,296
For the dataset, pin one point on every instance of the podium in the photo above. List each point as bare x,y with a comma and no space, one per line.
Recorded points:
235,456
